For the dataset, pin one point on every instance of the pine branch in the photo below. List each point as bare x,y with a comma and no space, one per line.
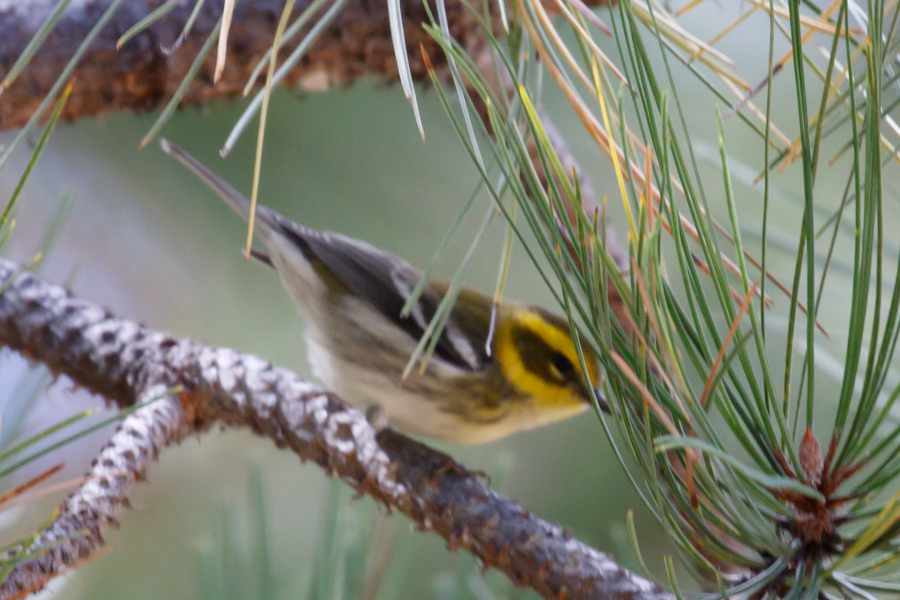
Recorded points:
77,532
140,76
128,363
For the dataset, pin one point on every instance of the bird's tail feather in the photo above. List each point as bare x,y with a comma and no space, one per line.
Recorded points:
233,198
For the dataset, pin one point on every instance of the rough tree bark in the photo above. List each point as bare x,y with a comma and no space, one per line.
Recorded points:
140,76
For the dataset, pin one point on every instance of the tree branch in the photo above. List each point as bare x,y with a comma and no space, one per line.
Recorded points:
77,532
127,363
140,76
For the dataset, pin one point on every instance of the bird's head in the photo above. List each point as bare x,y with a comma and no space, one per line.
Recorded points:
538,356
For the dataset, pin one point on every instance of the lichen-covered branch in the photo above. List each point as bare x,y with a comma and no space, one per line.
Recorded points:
127,363
77,532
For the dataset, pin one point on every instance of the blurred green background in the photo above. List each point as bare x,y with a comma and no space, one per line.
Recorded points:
146,239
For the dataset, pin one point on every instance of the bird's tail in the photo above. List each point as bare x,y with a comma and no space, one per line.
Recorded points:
233,198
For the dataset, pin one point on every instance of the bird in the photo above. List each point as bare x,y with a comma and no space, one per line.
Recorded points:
496,369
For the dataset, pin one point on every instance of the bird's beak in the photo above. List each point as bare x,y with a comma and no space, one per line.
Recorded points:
582,390
601,400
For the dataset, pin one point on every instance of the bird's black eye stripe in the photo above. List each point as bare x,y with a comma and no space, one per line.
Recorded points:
562,364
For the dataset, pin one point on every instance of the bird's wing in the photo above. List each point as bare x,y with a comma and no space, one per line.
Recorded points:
386,281
370,273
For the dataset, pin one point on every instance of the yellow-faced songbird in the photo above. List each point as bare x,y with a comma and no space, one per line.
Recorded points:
479,385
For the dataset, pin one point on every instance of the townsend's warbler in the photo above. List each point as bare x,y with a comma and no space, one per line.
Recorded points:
477,386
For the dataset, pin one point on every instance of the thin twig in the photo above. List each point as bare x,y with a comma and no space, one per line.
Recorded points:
77,531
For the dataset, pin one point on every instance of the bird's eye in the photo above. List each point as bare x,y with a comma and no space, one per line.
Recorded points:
562,364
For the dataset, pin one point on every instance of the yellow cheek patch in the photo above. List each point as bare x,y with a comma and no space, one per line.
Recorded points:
544,391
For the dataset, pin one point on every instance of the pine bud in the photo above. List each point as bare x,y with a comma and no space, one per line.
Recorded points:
811,458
